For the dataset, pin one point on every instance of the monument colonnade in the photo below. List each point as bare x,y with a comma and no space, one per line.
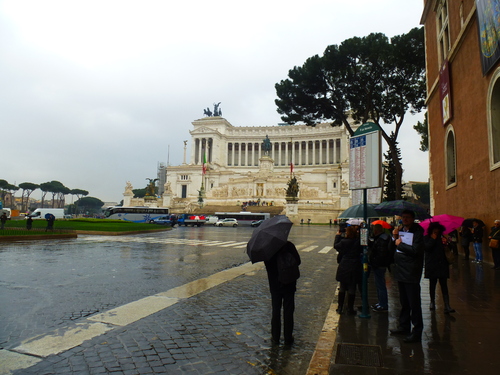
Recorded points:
300,152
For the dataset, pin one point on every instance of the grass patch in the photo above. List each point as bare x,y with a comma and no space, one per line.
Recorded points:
15,227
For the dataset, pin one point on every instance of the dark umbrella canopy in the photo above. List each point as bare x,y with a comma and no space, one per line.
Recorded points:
468,222
356,212
396,207
268,238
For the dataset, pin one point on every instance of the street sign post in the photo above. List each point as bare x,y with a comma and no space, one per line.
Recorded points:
365,172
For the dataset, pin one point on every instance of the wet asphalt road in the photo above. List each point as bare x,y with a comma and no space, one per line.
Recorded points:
50,284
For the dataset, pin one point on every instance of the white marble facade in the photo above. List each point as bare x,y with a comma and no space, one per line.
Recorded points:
238,170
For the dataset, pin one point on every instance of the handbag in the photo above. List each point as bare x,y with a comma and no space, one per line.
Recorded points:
494,244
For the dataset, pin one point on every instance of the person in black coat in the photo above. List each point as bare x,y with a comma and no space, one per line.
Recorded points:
407,271
436,264
349,271
282,293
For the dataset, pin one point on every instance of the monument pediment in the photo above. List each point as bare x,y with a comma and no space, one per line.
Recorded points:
203,129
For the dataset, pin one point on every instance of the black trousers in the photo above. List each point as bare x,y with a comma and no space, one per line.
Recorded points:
283,296
411,308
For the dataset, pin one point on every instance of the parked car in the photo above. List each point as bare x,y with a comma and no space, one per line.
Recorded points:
256,223
162,220
227,223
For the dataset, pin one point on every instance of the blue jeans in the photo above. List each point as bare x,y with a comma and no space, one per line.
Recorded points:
379,276
479,251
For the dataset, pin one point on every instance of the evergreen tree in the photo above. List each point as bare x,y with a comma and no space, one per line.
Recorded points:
390,173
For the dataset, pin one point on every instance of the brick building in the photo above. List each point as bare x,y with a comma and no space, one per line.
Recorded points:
463,100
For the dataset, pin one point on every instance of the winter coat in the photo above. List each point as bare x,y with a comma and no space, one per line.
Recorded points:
409,260
436,264
378,253
495,233
350,268
273,272
477,234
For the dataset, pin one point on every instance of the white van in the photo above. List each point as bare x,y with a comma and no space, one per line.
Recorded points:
40,213
211,219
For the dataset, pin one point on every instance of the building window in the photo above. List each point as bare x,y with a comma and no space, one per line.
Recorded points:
494,120
450,158
443,31
184,177
184,189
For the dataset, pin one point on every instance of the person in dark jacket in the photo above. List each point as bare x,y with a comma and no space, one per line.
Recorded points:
349,271
436,264
282,295
379,259
477,240
466,239
495,251
407,271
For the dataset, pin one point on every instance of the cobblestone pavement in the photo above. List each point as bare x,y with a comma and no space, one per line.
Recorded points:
224,329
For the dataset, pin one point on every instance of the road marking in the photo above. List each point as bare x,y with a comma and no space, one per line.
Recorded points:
235,244
309,249
65,338
326,250
11,361
134,311
62,339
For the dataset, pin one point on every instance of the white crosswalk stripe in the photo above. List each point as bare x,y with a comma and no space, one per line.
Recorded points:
306,246
326,249
309,249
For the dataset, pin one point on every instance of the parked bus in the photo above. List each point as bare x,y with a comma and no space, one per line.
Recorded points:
244,218
135,214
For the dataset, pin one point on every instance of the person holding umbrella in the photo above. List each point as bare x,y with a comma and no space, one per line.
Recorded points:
407,271
436,264
269,243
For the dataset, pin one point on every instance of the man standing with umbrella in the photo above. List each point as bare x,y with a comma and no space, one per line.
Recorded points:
407,271
269,243
282,291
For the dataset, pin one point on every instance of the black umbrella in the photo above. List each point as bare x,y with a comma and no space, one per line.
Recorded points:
468,222
396,207
268,238
356,212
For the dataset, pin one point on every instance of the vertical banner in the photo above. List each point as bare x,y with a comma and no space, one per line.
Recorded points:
445,92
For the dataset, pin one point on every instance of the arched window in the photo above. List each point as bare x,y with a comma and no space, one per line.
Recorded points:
494,120
450,158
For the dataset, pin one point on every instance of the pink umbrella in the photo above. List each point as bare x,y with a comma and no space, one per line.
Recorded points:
449,222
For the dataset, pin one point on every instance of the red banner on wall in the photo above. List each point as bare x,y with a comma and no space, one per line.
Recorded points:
445,92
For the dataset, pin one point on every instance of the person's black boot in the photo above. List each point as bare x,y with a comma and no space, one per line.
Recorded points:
350,304
340,308
432,305
447,307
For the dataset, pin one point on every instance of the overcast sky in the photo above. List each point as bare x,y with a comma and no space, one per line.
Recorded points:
92,93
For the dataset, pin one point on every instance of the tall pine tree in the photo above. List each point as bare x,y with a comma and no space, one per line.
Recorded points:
390,173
